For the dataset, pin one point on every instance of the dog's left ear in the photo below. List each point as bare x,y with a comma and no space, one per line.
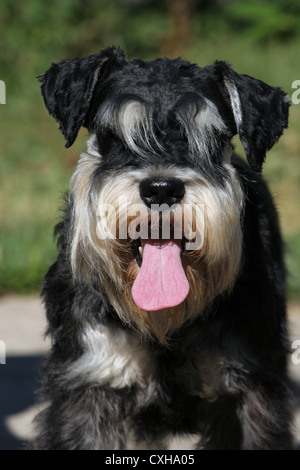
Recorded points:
260,113
68,87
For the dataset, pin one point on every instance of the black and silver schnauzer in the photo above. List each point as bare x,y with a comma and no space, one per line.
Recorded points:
178,341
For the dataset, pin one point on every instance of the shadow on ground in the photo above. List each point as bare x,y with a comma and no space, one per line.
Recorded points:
295,389
19,379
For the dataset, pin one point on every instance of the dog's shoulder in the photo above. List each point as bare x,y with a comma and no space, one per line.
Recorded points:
258,198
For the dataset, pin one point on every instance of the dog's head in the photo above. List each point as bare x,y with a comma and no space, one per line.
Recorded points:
156,202
77,92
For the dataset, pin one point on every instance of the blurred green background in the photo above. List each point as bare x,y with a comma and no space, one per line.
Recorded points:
260,38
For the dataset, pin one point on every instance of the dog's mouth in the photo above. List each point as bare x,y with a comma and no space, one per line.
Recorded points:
137,251
137,248
161,281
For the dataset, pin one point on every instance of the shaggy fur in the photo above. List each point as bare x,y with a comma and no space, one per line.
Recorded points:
212,371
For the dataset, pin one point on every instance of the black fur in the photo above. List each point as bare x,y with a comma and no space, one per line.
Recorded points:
246,328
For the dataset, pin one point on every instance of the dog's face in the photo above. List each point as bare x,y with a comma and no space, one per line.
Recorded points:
156,203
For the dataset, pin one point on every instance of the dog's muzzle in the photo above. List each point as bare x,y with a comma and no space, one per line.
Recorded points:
161,281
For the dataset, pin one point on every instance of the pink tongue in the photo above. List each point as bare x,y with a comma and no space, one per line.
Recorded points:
161,281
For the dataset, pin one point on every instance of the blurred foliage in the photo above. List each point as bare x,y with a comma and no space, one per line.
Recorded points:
35,32
264,20
259,37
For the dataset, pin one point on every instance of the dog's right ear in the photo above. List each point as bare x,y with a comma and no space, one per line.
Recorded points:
68,87
260,112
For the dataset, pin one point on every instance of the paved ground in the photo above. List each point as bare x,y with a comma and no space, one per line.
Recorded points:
21,331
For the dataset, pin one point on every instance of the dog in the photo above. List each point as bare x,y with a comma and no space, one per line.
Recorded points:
166,306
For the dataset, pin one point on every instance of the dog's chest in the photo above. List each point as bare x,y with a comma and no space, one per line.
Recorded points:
201,373
117,358
180,389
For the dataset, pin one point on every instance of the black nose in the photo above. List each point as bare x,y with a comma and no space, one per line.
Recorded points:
160,190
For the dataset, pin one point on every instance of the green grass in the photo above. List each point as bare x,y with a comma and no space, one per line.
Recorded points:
34,174
293,265
35,168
